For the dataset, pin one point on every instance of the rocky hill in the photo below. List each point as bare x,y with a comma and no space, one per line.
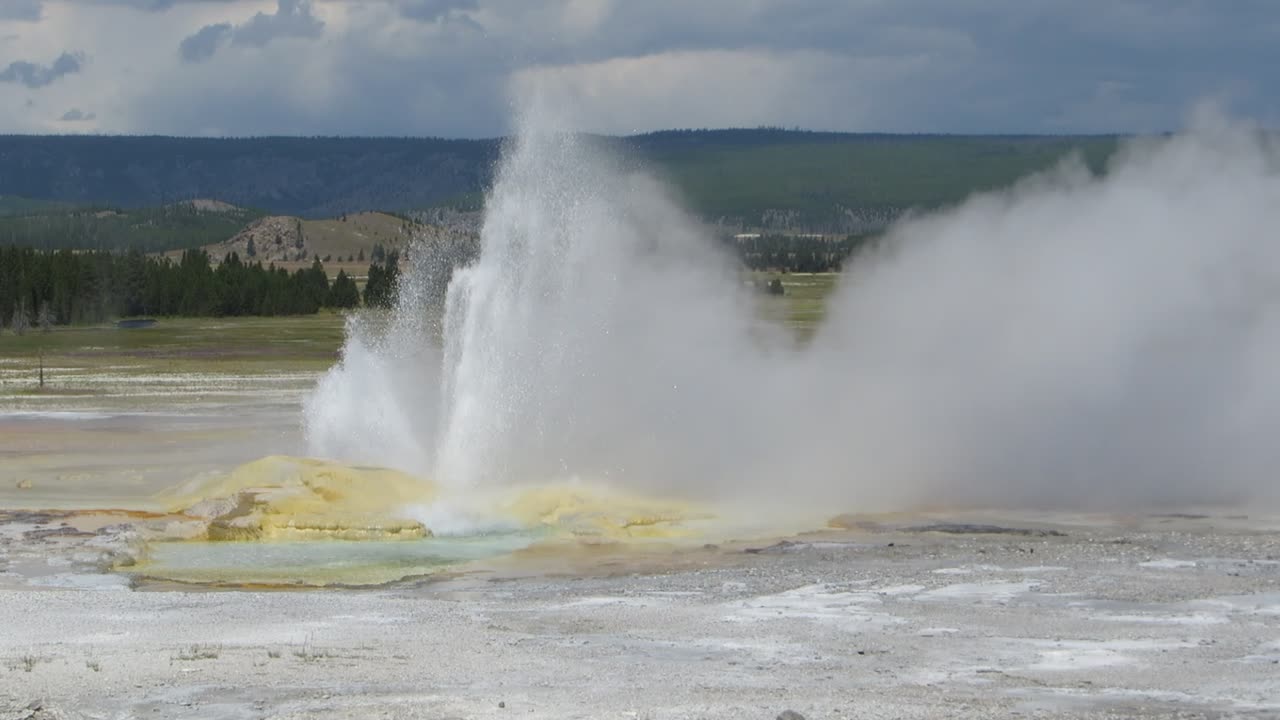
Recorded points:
276,238
345,241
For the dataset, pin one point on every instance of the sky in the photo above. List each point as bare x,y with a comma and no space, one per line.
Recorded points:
457,68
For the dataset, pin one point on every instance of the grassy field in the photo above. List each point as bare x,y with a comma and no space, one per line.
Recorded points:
126,413
302,341
297,341
97,359
358,232
189,358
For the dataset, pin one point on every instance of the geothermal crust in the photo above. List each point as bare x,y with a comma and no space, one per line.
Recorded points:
292,498
925,616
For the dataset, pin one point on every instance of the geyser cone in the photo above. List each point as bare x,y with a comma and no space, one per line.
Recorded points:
285,498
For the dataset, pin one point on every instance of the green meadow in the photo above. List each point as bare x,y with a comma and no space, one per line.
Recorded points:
187,360
262,345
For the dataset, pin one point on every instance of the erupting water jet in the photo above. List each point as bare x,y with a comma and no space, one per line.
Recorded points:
1075,340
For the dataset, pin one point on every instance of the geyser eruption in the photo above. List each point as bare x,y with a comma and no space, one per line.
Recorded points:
1074,340
600,335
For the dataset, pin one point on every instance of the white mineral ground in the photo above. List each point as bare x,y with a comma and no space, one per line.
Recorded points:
1144,615
1119,617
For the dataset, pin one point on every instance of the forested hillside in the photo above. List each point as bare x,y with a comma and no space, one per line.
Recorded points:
177,226
838,183
312,177
771,179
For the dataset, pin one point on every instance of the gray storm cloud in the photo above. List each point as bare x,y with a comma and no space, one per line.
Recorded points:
155,5
202,45
34,75
34,9
988,66
78,115
292,19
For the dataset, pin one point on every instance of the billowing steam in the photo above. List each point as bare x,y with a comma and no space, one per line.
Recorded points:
1074,341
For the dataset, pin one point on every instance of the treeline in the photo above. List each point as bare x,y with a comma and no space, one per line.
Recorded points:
797,253
60,287
63,287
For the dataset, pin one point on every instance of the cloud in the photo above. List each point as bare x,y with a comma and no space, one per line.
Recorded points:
154,5
204,43
292,18
28,10
435,10
77,115
720,88
444,67
38,76
150,5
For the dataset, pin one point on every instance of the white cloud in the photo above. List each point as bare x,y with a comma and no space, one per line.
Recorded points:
717,88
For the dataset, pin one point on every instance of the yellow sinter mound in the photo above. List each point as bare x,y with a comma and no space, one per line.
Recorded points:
594,512
289,498
298,498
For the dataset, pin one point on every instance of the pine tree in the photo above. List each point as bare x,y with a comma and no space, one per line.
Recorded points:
45,317
374,294
20,322
343,294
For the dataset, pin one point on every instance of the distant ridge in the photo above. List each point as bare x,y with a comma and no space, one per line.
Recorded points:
766,178
312,177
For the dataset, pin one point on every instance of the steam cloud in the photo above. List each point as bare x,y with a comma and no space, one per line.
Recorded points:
1074,341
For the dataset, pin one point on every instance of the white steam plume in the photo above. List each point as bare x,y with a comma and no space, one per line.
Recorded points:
1073,341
